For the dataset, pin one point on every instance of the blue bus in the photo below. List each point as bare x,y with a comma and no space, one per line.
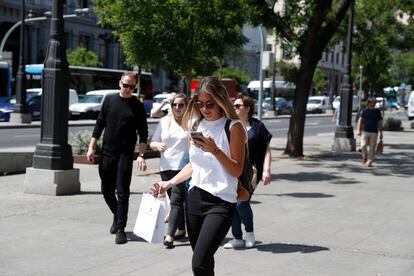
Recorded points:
5,79
84,79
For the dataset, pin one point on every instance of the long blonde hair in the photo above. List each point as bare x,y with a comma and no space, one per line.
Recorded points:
214,88
178,96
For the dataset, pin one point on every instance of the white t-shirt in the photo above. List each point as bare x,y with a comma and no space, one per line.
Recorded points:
174,136
208,174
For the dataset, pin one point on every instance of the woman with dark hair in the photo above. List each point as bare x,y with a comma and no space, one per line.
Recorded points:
260,157
215,164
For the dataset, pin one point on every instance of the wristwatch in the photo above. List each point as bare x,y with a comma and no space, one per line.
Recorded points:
142,155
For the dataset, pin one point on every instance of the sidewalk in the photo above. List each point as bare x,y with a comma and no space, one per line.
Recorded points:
325,214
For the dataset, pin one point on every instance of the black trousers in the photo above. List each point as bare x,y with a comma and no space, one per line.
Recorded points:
177,199
208,220
115,173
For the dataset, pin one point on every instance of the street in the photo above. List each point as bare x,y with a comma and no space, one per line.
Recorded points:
29,137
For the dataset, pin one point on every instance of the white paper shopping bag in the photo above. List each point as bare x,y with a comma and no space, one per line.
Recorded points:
150,220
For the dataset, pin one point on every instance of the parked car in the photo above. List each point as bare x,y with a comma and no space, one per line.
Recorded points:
282,106
8,103
32,92
318,104
6,107
90,105
158,99
356,102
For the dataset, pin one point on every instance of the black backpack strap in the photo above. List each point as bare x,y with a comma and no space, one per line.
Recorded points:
227,129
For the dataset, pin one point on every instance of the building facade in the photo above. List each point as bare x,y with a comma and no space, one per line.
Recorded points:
80,31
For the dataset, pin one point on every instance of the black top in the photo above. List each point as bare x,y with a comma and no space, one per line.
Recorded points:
371,118
258,139
121,118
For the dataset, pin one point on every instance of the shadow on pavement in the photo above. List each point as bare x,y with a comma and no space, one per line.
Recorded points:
298,195
314,177
281,248
307,195
100,193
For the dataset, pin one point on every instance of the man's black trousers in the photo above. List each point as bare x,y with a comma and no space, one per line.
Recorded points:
115,173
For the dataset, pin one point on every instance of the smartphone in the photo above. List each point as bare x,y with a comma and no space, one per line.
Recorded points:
196,134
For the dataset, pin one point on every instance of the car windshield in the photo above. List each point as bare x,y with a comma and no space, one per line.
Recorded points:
314,101
91,99
160,99
31,94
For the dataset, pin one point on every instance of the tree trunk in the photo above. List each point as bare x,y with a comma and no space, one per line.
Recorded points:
294,146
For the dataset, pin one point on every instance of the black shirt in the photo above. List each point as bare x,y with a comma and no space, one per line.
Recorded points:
121,118
258,139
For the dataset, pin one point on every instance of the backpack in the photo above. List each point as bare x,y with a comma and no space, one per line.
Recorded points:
245,179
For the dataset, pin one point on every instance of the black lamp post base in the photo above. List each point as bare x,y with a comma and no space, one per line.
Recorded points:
53,157
20,118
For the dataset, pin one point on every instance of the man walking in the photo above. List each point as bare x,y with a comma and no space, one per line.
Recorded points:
369,124
121,116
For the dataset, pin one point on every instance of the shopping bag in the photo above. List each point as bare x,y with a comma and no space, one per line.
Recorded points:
164,196
150,220
380,147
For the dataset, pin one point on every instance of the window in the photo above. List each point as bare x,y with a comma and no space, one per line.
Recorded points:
84,42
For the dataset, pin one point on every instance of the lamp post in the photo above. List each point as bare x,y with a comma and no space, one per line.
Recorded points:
260,96
272,106
344,140
52,171
20,113
78,12
361,67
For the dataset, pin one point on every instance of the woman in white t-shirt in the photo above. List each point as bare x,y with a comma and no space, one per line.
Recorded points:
171,141
215,163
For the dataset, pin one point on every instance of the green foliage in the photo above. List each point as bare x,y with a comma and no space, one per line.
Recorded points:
392,124
83,57
80,143
177,35
374,38
233,73
289,71
319,81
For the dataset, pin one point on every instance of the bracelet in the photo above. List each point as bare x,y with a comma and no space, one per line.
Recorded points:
216,151
142,155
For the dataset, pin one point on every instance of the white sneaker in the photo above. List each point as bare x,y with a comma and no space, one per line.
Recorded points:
250,240
234,243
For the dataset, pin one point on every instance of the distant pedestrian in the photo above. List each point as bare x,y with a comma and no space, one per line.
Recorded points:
122,116
369,124
260,157
215,164
171,141
336,114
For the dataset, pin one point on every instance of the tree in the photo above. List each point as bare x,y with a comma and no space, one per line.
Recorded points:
187,37
319,81
375,34
307,27
82,57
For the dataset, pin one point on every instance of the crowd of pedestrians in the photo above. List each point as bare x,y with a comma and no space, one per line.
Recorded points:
199,173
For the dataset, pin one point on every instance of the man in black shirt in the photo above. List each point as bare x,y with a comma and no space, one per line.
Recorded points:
122,116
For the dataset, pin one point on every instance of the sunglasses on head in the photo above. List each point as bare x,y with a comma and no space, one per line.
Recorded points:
178,105
207,105
126,85
237,106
